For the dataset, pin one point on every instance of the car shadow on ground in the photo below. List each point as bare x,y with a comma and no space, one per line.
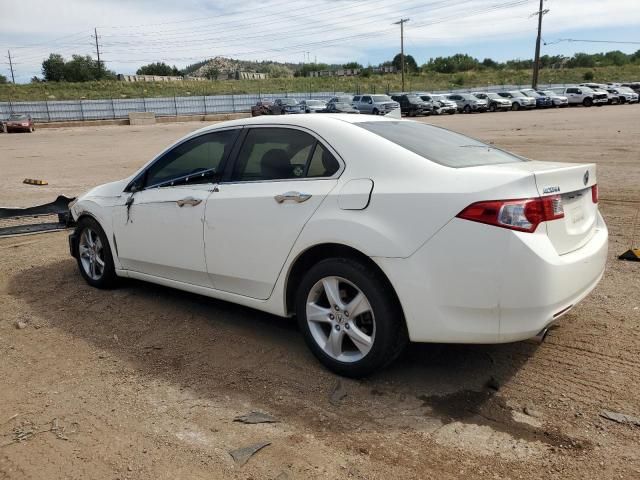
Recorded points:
212,346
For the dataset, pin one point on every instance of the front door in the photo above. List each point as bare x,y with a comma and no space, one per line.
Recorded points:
279,179
161,232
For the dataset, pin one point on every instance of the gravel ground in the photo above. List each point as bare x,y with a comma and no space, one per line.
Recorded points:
144,382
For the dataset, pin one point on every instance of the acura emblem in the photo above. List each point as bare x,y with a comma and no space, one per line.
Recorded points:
585,179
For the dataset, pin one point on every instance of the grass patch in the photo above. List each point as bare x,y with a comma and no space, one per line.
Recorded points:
374,84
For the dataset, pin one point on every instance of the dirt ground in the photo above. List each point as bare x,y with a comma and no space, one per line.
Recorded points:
144,382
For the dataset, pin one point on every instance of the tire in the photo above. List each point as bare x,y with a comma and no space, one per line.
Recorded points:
105,277
492,107
515,106
587,102
379,324
466,109
376,112
32,129
623,100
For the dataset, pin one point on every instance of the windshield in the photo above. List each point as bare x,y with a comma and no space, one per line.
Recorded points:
16,116
381,98
516,94
439,145
585,89
531,93
314,102
414,98
494,96
289,101
468,96
626,90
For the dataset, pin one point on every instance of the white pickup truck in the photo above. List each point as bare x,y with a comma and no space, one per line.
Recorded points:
582,96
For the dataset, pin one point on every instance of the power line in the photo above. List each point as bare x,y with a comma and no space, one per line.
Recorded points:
591,41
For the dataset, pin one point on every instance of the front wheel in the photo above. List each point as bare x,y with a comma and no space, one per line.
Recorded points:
349,320
515,106
376,112
94,254
587,102
492,107
466,109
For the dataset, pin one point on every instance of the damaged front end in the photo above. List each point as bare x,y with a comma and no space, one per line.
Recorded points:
49,217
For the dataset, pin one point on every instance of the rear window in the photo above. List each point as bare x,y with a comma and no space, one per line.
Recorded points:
440,145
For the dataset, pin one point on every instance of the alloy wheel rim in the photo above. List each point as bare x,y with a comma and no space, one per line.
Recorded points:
91,253
340,319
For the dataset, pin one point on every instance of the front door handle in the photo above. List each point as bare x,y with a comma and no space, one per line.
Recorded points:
189,201
292,196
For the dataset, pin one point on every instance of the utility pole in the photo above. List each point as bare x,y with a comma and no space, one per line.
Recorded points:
13,78
401,23
536,62
95,31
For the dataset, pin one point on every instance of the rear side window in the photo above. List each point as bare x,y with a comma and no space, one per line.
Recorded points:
440,145
282,153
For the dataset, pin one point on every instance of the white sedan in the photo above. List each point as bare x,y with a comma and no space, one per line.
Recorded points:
371,231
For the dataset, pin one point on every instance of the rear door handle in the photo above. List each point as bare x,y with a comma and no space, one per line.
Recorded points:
188,201
292,196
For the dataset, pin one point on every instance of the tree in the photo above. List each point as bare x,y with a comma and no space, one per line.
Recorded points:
211,73
588,76
352,66
616,57
158,68
490,63
582,60
81,68
410,64
277,71
3,79
53,68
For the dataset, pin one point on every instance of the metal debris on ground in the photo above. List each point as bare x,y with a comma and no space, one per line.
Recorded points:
33,181
620,418
338,393
255,417
242,455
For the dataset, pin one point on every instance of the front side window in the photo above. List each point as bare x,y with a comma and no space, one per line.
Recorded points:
282,153
198,160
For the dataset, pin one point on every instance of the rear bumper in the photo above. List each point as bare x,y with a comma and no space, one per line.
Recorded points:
474,283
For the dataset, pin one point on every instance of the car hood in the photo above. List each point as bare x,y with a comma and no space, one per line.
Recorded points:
111,189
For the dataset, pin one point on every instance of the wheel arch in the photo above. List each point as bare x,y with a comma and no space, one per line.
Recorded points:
314,254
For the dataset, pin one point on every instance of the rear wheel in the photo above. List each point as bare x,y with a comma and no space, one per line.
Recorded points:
94,254
350,321
466,109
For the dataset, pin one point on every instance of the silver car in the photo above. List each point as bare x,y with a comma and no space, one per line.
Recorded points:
559,101
468,102
495,101
313,106
374,104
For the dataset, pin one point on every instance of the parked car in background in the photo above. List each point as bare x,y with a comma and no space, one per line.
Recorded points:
542,101
582,96
625,94
519,101
635,86
374,104
341,99
341,107
313,106
284,106
559,101
495,101
467,103
440,105
612,98
262,107
411,104
300,217
19,122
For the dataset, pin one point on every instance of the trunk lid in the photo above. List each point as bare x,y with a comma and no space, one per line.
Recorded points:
573,183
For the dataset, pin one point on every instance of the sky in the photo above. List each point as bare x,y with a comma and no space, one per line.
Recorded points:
132,33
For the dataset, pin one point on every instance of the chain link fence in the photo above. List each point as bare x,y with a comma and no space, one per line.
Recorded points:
119,108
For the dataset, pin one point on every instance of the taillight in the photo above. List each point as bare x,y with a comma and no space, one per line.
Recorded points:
523,215
594,193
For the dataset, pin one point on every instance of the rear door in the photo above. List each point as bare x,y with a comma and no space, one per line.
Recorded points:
279,178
